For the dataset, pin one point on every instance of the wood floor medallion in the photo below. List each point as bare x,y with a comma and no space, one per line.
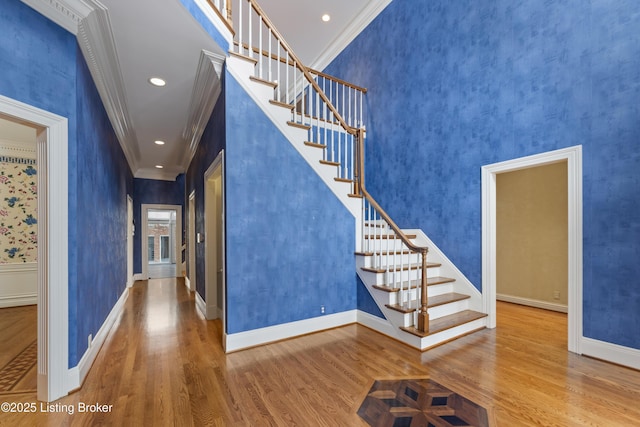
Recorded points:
14,371
419,403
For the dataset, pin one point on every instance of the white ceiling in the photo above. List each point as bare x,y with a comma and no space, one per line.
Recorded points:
161,38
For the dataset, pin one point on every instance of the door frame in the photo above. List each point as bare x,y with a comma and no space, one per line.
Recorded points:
55,379
211,297
130,233
145,208
573,157
191,277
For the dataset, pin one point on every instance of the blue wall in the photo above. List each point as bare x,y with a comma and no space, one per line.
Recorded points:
457,85
41,65
206,24
155,192
103,180
290,241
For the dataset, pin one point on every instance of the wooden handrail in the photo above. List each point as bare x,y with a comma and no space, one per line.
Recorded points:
302,68
291,63
227,21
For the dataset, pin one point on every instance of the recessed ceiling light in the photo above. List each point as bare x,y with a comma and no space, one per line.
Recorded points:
326,17
157,81
159,166
159,142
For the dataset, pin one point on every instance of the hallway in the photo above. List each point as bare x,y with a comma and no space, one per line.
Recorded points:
163,364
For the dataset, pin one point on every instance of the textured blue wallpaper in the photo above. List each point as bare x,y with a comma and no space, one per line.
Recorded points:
41,65
155,192
290,242
457,85
102,184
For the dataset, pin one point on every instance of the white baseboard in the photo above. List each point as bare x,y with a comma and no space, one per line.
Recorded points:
255,337
18,284
376,323
78,373
201,305
187,282
609,352
532,302
138,276
17,301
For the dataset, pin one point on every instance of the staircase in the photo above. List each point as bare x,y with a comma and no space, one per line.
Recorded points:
425,299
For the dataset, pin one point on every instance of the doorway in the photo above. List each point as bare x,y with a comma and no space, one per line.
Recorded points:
191,278
214,239
54,379
161,245
573,158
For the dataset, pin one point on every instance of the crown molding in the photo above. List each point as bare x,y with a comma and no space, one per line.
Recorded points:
157,174
206,90
356,26
98,47
66,13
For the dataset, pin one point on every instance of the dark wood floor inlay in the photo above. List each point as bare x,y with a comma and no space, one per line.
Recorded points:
18,367
419,403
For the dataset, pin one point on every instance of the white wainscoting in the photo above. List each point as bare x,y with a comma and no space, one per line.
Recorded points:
18,284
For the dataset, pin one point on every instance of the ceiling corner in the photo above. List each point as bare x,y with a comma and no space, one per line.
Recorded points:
357,25
66,13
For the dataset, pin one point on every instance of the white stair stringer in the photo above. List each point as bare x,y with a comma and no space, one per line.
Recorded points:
394,319
241,70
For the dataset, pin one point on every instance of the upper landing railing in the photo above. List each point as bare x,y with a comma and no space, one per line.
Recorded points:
332,111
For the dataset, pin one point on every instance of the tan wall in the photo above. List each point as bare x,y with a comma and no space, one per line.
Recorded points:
532,233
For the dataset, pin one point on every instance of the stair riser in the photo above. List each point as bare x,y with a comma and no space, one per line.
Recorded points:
382,279
447,309
382,245
400,319
452,333
384,260
432,291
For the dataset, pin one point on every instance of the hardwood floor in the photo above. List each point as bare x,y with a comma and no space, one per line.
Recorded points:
18,350
163,364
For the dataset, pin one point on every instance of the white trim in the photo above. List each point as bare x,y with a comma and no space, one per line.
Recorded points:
573,157
338,44
205,93
18,284
138,276
201,305
53,253
18,300
15,268
66,13
157,174
376,323
255,337
213,17
212,300
144,212
98,46
609,352
191,251
79,373
21,149
130,230
562,308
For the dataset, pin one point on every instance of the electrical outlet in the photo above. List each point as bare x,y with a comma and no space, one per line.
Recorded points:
556,294
322,309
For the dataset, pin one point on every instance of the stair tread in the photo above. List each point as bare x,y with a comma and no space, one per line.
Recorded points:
282,104
299,125
388,236
431,281
315,145
343,179
355,196
446,322
434,301
329,163
404,268
245,57
263,81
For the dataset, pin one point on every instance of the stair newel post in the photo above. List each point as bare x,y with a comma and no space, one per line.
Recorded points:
423,315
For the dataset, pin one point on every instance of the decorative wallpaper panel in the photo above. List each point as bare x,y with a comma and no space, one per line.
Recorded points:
18,210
